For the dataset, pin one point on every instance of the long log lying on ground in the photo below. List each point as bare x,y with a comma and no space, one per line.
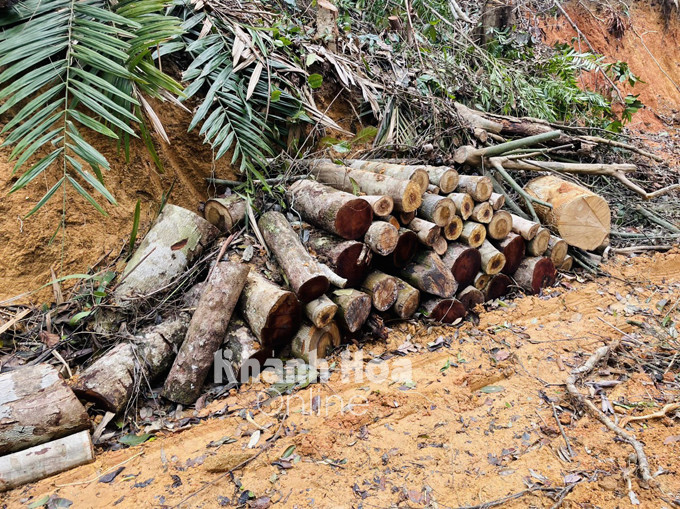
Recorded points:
353,308
482,212
427,232
312,343
500,225
464,204
407,195
428,273
206,332
581,217
557,250
493,260
45,460
465,262
497,287
453,229
36,406
527,229
470,297
225,213
539,244
473,234
175,240
273,313
408,299
535,273
479,188
437,209
349,259
303,273
513,248
382,238
381,288
415,173
321,311
243,350
382,205
443,310
335,211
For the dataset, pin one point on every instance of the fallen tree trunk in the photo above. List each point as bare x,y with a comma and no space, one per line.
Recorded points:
479,188
464,204
302,271
225,213
437,209
465,262
273,313
428,273
482,212
312,343
381,288
321,311
513,248
175,240
206,332
581,217
493,261
535,273
443,310
382,205
36,406
45,460
527,229
470,297
415,173
382,238
408,299
349,259
500,225
353,308
473,234
335,211
453,229
539,244
427,232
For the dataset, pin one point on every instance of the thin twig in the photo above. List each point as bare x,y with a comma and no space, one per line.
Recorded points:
564,435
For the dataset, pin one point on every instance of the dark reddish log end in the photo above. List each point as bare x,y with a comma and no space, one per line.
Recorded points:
313,288
407,245
544,275
466,267
354,218
514,254
448,311
282,323
353,264
498,287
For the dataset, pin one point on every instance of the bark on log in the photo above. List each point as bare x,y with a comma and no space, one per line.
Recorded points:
479,188
482,212
493,261
482,280
45,460
321,311
273,313
567,263
382,238
353,308
440,246
465,262
581,217
327,25
313,343
428,273
302,271
36,406
527,229
500,225
407,245
444,177
407,195
406,217
535,273
470,297
415,173
513,248
443,310
539,244
408,299
473,234
225,213
244,350
349,259
335,211
206,332
497,201
382,205
464,204
497,287
381,288
431,189
437,209
390,219
333,278
453,229
427,232
175,240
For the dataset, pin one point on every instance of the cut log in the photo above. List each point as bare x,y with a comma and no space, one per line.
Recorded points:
225,213
408,299
353,308
539,244
407,195
243,350
407,245
482,280
535,273
45,460
381,288
482,212
36,406
321,311
206,332
437,209
513,248
335,211
440,246
382,205
493,261
406,217
175,240
527,229
302,271
453,229
581,217
313,343
390,219
273,313
500,225
497,287
428,273
443,310
470,297
479,188
464,204
415,173
432,189
567,263
427,232
497,201
465,262
444,177
382,238
349,259
473,234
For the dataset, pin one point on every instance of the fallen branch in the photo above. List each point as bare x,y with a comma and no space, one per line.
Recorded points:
656,415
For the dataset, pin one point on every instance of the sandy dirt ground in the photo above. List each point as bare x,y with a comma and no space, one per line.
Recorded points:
472,423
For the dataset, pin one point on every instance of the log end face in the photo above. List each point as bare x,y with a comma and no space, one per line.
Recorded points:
313,288
466,266
283,322
353,219
495,264
385,294
513,250
453,229
412,197
584,222
497,287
